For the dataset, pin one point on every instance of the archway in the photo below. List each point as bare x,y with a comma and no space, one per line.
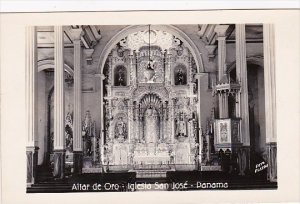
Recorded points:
45,107
166,28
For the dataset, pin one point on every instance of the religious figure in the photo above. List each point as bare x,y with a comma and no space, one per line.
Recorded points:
223,132
151,125
69,139
87,133
181,126
120,78
120,129
149,72
180,77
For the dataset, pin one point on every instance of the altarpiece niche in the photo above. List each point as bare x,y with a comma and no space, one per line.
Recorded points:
150,102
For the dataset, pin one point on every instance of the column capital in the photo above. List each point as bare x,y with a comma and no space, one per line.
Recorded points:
76,34
88,52
200,75
101,76
221,30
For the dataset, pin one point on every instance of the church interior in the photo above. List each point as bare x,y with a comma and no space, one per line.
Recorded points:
143,103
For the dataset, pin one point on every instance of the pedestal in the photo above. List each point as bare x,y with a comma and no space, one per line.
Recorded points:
244,160
78,162
59,163
272,161
32,158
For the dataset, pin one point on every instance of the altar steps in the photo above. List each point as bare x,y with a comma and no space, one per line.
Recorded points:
151,174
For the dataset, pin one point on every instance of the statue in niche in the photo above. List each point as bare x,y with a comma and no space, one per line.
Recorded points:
151,125
69,131
69,138
120,129
149,72
88,131
180,77
120,76
181,126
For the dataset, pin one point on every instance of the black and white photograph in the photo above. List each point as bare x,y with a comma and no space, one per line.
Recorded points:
129,107
150,107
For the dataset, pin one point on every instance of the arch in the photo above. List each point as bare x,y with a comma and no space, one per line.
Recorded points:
257,60
167,28
49,64
139,93
150,100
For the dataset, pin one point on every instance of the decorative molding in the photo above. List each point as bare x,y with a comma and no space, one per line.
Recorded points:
88,55
76,33
211,51
135,28
221,30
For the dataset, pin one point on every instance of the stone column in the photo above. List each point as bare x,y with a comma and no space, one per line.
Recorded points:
168,63
270,99
77,126
100,78
241,73
172,117
59,103
130,121
226,112
243,109
221,37
198,77
31,94
133,69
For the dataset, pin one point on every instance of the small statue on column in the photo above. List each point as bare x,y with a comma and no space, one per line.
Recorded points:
88,131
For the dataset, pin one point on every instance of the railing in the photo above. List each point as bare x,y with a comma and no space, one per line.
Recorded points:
152,166
124,167
162,167
185,167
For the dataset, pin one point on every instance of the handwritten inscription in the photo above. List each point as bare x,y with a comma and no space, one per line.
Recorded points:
261,166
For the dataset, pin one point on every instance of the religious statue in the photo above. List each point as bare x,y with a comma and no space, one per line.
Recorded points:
88,131
181,126
223,132
180,77
151,125
149,72
120,129
120,78
69,131
69,139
